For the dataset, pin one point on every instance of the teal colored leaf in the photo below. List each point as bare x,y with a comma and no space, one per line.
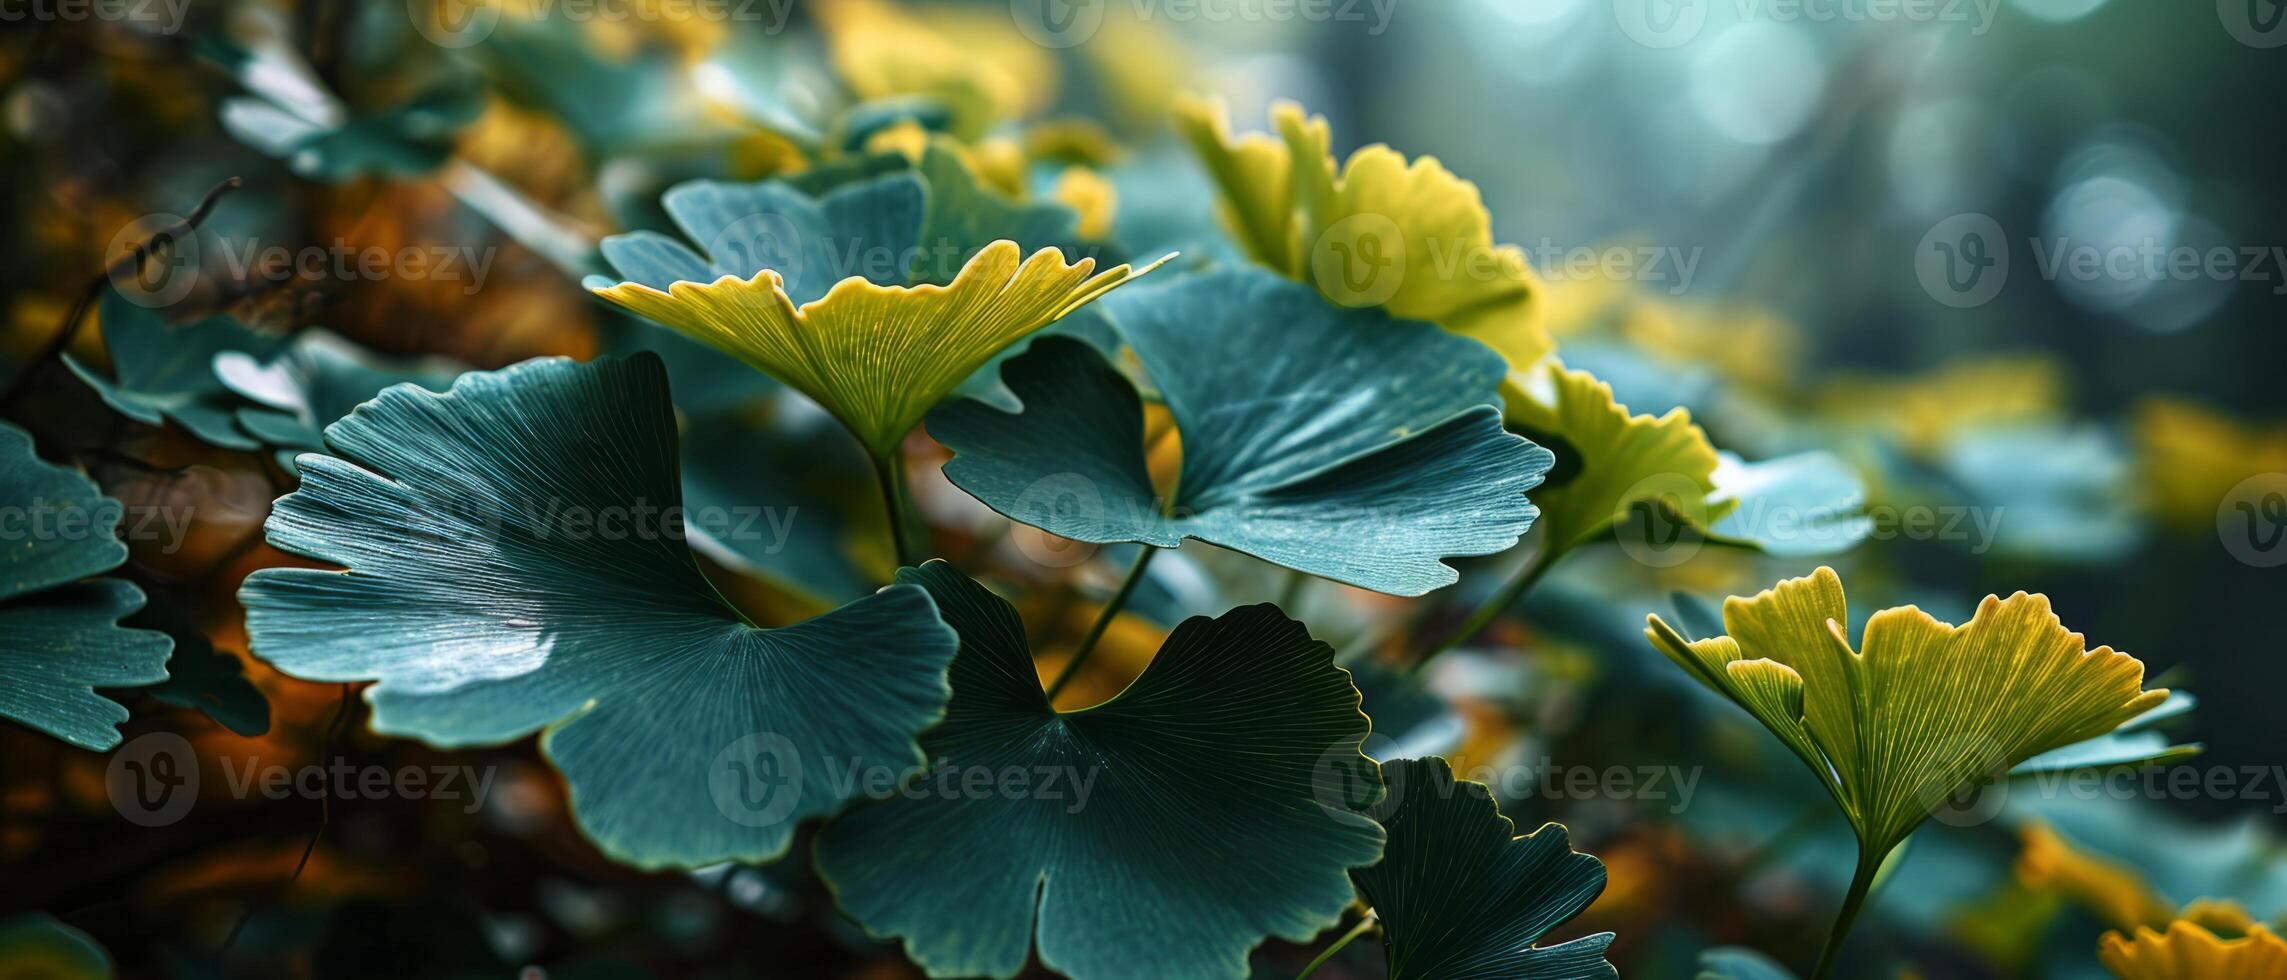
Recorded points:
1341,443
1740,963
1460,895
61,629
964,216
38,945
2133,743
1211,819
162,372
328,142
205,679
799,526
318,378
1793,506
511,569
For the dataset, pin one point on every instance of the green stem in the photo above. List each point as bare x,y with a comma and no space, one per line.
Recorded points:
1861,881
1103,621
889,476
1510,592
1360,929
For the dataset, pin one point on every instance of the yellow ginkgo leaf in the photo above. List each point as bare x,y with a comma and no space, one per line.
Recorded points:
2188,952
878,357
974,62
2112,891
1087,192
1921,412
2194,457
1379,230
1922,711
1609,461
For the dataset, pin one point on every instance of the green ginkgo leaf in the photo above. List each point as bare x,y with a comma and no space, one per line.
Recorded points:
1336,442
515,563
60,636
1409,237
161,372
812,292
1162,833
292,117
1920,711
1609,461
1805,504
205,679
2133,743
318,378
1460,895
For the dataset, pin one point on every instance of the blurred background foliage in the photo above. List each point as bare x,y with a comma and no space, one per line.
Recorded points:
2096,425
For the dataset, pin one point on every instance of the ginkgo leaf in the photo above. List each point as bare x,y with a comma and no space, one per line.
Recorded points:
813,291
1297,446
318,378
2133,743
1808,503
515,563
1609,461
1461,895
2188,952
1162,833
63,637
205,679
1740,963
1921,710
1410,237
878,357
38,945
161,372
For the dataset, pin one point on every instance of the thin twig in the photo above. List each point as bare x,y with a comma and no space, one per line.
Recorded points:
132,262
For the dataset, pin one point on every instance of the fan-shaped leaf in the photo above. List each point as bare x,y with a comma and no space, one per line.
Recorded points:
2188,952
1610,461
1409,237
1460,895
1306,430
162,372
1182,821
317,379
1926,710
62,635
515,563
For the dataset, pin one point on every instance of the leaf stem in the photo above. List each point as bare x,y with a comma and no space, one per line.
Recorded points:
1103,621
1861,881
1364,924
889,477
1514,589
